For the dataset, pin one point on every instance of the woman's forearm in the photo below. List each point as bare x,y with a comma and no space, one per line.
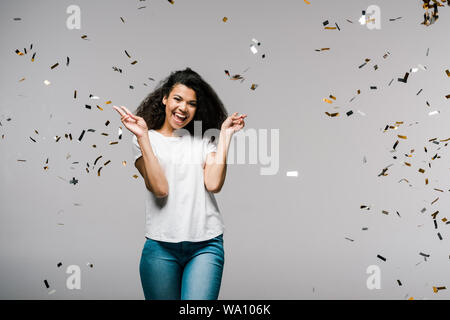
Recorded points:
156,179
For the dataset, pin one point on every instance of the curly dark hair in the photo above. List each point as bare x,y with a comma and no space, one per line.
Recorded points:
209,110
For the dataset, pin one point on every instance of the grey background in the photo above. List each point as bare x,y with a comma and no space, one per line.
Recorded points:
285,236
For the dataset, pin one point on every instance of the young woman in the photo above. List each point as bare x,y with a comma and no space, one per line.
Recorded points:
183,254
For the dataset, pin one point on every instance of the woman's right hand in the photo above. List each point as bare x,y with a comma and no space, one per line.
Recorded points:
135,124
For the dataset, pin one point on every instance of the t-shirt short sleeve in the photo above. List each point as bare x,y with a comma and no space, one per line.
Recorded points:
211,146
208,146
136,148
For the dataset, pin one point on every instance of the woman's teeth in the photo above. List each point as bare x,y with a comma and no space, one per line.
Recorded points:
178,118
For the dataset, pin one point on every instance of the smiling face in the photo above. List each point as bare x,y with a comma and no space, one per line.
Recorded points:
180,107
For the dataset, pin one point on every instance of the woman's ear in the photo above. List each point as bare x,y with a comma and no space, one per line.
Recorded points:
164,100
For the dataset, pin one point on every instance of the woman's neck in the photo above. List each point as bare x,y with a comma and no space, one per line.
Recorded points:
166,130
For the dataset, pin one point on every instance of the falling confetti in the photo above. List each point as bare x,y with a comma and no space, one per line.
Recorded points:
292,173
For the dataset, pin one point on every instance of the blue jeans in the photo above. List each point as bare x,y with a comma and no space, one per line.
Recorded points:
183,270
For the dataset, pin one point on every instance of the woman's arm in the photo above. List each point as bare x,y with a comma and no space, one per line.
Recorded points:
151,170
148,165
216,162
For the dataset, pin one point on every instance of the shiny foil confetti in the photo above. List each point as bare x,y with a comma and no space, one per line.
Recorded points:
381,257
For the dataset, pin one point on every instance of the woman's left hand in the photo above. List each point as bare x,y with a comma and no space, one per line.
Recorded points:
234,123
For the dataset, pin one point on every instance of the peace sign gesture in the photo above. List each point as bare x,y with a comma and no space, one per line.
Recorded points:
135,124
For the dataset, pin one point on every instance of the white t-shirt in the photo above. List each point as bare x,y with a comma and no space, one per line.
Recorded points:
189,212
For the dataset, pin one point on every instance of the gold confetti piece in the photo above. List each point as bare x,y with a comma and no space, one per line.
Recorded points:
95,162
54,66
21,79
332,97
21,160
421,170
444,219
401,137
84,36
127,54
46,168
447,72
98,172
115,142
224,19
408,164
106,163
438,190
122,19
99,107
426,181
236,77
171,1
134,62
330,28
410,298
32,58
332,114
385,212
254,86
448,96
47,82
307,2
94,146
19,52
436,289
124,163
328,101
435,201
108,102
105,134
135,176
